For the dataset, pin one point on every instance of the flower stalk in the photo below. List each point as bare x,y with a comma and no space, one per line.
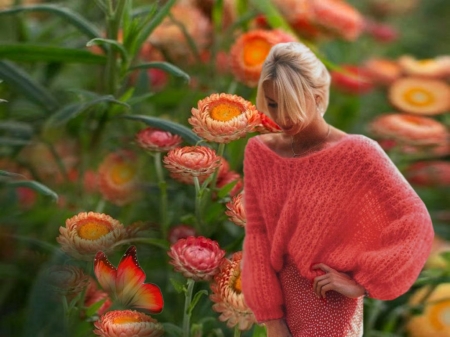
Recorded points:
162,184
187,303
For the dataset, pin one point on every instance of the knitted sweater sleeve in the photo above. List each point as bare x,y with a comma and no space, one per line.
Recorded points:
393,259
260,284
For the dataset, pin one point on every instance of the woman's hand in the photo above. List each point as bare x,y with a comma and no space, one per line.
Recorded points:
277,328
337,281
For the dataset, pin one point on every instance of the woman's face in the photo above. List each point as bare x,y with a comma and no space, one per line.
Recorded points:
289,127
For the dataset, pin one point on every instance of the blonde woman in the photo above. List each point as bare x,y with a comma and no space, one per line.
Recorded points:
330,218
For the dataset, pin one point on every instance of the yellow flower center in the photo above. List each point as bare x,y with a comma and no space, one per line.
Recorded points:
418,97
256,51
426,62
440,315
122,173
127,319
224,112
236,285
93,230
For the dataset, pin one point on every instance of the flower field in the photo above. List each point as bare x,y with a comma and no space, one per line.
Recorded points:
122,133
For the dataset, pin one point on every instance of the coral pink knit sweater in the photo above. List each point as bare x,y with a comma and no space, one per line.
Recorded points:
347,206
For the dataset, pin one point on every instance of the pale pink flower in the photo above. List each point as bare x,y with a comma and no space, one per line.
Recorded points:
121,323
95,295
153,139
228,297
185,163
223,118
87,233
236,211
66,280
118,178
197,258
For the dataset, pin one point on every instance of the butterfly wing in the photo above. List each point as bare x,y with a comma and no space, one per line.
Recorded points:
130,286
105,272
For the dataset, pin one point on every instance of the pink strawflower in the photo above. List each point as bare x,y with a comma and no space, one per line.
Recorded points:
197,258
352,80
153,139
87,233
95,295
185,163
236,211
122,323
228,297
181,232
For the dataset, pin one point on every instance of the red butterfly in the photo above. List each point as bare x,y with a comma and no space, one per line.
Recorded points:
126,282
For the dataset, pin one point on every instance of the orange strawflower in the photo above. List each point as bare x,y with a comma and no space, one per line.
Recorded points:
248,53
420,95
236,211
352,80
153,139
267,125
223,118
409,129
228,297
87,233
382,71
185,163
118,178
438,67
429,173
433,321
120,323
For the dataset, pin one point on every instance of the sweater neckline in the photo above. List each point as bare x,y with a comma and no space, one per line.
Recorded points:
313,154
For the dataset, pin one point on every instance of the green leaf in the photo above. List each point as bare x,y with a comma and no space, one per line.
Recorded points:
113,43
10,174
67,14
259,331
8,141
14,126
74,109
195,300
163,244
27,86
140,98
43,53
172,330
272,15
166,125
92,310
38,187
223,192
156,20
178,286
217,15
170,68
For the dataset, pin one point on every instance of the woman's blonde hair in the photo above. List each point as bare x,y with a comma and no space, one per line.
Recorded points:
296,74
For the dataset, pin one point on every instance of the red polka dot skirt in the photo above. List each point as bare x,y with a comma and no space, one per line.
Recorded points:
310,316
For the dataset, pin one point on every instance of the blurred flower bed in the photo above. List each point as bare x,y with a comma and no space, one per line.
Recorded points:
122,130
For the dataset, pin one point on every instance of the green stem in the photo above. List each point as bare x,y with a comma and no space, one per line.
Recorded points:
198,204
187,303
237,332
58,161
220,152
163,195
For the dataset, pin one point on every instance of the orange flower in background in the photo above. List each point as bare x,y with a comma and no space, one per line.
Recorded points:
352,80
236,211
197,258
380,31
392,7
433,321
409,129
338,17
126,282
153,139
185,163
433,150
228,297
66,280
118,178
438,67
433,173
87,233
120,323
436,260
382,71
170,38
223,118
420,95
248,53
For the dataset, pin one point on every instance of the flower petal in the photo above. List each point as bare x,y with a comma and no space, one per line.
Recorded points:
105,272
